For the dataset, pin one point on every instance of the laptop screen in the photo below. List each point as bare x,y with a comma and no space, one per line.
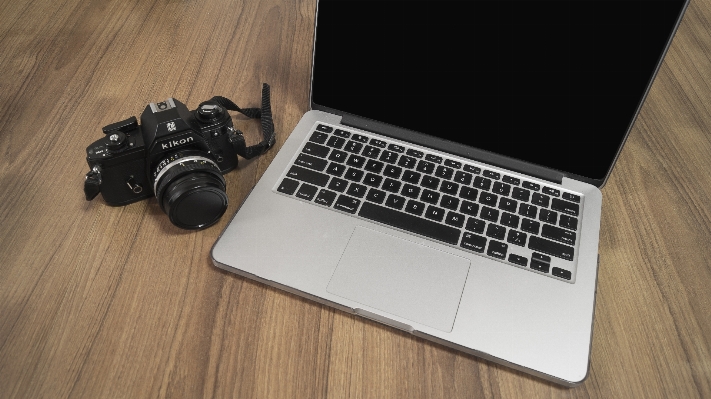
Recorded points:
552,83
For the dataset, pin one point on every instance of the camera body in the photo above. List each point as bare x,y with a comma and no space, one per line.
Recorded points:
175,154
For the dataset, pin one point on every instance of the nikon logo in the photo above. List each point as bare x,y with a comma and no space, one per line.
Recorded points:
175,143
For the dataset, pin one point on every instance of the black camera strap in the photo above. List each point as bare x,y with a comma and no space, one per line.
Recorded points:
264,114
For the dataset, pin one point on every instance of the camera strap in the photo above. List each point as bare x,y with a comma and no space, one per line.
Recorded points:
264,114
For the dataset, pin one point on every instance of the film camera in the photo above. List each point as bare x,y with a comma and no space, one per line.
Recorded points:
177,155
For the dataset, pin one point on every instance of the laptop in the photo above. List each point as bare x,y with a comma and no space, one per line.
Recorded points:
446,181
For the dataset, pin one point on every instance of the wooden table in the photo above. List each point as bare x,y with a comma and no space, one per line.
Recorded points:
98,302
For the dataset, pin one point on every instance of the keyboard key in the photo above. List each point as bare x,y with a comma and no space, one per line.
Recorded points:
468,193
558,234
335,169
324,128
463,177
482,183
411,191
493,175
371,152
316,150
501,188
414,207
469,208
415,153
355,161
558,272
473,242
325,197
531,186
433,158
551,191
376,196
356,190
411,177
360,138
497,249
372,180
511,180
288,186
517,238
568,222
489,214
430,196
565,207
354,174
410,223
452,164
338,156
547,216
508,204
425,167
449,202
378,143
388,156
540,266
475,225
392,171
571,197
307,192
488,199
521,194
472,169
342,133
395,201
430,182
444,172
310,162
338,185
434,213
510,220
541,257
308,176
374,166
528,210
454,219
496,231
540,199
354,147
551,248
336,142
449,187
519,260
407,162
530,226
346,204
396,148
391,185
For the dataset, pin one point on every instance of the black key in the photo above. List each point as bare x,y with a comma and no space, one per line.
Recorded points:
371,152
411,177
444,172
475,225
449,187
359,137
511,180
411,191
307,192
338,156
374,166
325,197
372,180
509,220
354,174
315,149
541,257
469,208
540,266
425,167
353,146
415,153
391,185
489,214
388,156
430,182
558,272
346,204
395,201
517,238
568,222
375,196
531,186
414,207
508,204
497,249
338,185
521,194
430,196
528,210
565,207
434,213
308,176
336,142
496,231
335,169
482,183
530,226
356,190
433,158
324,128
558,234
488,199
463,177
452,164
449,202
392,171
540,199
396,148
410,223
551,191
551,248
454,219
378,143
519,260
342,133
472,169
493,175
468,193
310,162
288,186
473,242
407,162
501,188
571,197
355,161
548,216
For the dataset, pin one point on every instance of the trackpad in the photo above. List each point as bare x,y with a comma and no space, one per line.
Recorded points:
400,277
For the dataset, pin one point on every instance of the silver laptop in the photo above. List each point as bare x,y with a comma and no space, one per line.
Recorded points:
446,181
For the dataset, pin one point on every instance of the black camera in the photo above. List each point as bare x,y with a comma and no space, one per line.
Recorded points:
177,155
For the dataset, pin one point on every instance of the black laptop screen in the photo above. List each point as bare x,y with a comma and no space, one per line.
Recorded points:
553,83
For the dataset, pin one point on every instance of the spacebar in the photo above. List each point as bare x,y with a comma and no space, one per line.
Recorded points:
410,223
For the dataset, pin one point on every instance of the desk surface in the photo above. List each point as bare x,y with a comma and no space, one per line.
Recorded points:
97,301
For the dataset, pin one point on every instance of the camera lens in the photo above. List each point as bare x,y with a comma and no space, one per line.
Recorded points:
191,190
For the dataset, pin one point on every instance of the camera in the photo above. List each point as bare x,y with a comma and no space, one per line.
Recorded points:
176,155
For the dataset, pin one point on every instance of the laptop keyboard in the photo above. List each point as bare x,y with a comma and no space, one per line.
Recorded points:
475,207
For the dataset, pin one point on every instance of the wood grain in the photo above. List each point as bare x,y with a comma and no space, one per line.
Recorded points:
97,301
